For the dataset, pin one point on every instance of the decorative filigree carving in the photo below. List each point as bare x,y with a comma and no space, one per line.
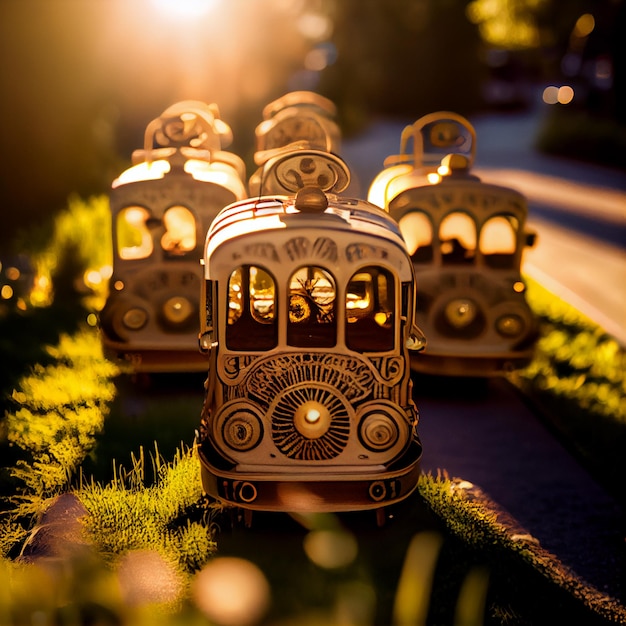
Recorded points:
293,440
301,248
390,368
351,377
261,251
362,251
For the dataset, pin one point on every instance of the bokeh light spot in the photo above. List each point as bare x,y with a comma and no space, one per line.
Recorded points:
330,549
231,591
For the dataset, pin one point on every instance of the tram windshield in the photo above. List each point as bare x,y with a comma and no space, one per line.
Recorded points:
417,231
180,231
498,241
457,234
251,323
312,319
370,300
134,240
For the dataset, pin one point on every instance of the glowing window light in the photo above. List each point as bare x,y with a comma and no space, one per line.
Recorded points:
498,236
416,229
180,230
134,240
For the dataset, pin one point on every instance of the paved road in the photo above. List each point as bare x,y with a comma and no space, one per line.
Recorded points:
490,438
578,210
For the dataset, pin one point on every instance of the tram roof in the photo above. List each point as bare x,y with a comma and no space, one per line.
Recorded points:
278,212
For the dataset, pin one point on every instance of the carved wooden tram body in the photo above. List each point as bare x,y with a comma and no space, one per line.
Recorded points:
466,238
308,319
161,209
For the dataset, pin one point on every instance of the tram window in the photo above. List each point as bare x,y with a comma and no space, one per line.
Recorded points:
180,231
457,234
417,231
251,320
134,240
311,321
370,303
498,241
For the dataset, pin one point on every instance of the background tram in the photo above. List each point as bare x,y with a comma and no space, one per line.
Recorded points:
466,239
161,209
308,319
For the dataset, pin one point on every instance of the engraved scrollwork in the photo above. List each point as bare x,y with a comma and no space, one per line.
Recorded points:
362,251
351,377
390,368
234,365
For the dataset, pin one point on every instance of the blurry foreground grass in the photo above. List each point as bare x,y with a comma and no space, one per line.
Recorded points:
146,548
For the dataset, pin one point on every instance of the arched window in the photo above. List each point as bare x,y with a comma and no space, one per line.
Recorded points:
498,241
457,234
370,307
134,240
311,301
251,319
417,231
180,231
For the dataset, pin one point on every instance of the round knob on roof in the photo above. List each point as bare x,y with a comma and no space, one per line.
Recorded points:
311,200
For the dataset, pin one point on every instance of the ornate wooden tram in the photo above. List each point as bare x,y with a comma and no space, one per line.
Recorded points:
308,319
466,238
161,209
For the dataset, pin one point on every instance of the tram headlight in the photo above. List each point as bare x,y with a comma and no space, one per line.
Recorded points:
510,325
382,427
177,310
135,318
311,419
461,312
240,427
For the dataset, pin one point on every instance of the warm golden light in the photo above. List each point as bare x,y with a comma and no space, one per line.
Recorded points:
519,286
180,230
184,9
312,416
143,171
6,292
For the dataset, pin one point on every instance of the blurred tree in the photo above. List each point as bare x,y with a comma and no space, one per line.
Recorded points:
402,58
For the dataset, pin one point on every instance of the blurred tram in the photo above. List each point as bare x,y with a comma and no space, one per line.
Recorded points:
466,238
308,319
161,209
